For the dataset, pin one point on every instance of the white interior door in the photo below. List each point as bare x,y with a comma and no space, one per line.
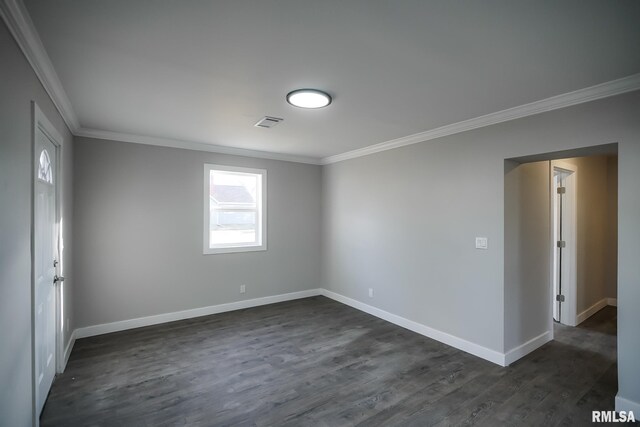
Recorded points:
564,243
557,276
45,262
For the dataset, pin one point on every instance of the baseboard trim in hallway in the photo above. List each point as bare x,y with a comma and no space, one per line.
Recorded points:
595,308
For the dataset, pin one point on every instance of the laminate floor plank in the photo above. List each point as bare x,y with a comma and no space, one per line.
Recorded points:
318,362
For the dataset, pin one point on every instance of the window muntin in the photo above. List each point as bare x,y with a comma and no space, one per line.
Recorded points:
234,209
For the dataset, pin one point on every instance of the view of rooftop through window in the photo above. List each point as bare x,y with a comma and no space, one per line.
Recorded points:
234,208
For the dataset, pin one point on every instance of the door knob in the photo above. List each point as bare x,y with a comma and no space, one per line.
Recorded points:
57,279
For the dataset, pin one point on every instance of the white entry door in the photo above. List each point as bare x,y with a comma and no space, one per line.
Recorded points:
45,262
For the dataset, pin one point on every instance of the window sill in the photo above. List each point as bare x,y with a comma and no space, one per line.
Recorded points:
233,249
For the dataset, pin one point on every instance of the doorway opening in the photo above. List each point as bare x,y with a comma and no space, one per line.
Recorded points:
560,254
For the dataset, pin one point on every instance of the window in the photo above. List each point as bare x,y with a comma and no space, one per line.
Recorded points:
234,209
44,168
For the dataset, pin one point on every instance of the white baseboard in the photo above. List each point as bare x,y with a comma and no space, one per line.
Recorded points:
459,343
502,359
591,311
627,405
68,348
123,325
612,301
526,348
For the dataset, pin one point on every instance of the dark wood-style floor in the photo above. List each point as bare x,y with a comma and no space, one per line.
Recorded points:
318,362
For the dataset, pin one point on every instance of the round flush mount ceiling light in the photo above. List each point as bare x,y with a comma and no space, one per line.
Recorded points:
308,98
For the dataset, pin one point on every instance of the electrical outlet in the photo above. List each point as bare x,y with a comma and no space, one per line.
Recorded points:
243,289
370,292
482,243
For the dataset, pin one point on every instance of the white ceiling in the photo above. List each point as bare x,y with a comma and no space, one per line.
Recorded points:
206,71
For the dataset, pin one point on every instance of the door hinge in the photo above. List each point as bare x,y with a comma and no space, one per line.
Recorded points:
562,243
560,298
561,190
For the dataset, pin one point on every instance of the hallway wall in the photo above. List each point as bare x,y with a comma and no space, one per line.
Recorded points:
527,290
597,198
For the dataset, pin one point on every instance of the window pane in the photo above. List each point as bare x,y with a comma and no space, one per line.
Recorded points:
236,220
234,208
234,189
44,168
232,227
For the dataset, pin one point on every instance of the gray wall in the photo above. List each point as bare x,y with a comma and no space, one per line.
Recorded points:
19,86
403,222
597,197
628,265
527,291
139,232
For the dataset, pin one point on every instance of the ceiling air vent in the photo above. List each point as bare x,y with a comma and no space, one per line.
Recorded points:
268,122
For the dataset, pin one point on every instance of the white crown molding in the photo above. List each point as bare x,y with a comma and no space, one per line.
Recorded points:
191,145
24,32
19,23
592,93
21,27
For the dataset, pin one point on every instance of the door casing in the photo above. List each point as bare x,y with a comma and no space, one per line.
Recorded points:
42,124
570,259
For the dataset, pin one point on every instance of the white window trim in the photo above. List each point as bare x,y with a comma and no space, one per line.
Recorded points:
262,223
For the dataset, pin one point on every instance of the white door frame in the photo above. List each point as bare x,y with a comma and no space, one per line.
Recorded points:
570,283
41,123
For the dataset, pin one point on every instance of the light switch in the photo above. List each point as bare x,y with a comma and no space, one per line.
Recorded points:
482,243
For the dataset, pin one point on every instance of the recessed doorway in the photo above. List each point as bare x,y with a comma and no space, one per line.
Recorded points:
560,243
